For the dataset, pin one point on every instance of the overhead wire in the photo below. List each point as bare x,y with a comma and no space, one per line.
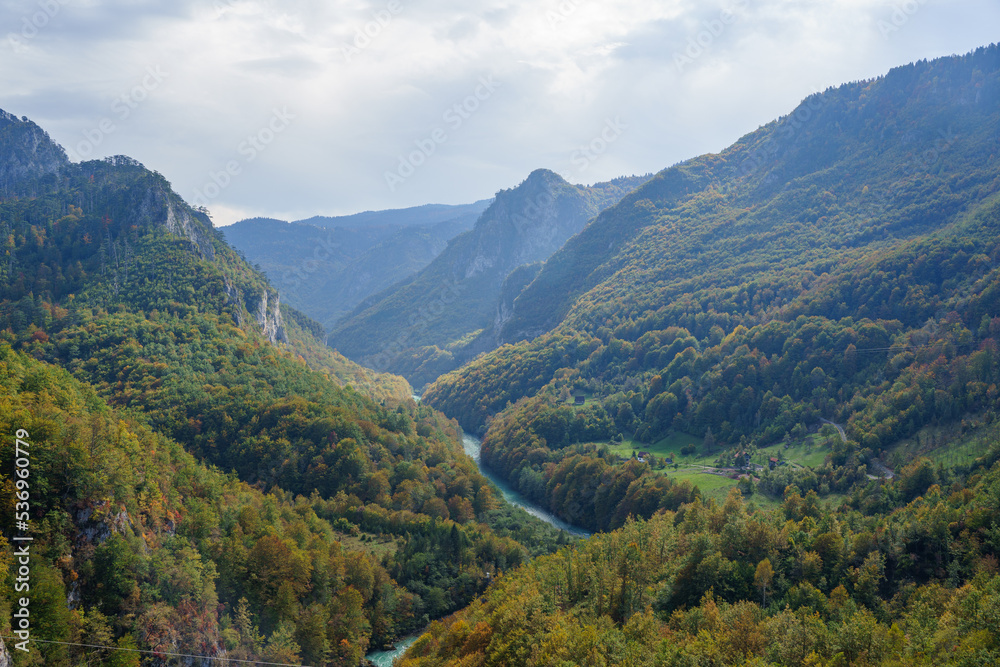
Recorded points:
164,653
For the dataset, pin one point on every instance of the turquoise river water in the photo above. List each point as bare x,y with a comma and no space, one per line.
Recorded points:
473,447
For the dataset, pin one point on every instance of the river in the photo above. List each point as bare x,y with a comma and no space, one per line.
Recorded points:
473,447
386,658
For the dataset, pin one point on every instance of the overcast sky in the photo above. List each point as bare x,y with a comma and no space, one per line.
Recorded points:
292,108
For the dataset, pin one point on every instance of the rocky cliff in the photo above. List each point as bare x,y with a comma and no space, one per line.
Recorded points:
27,154
432,322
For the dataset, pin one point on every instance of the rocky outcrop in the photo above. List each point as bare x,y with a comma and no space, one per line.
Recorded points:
180,222
28,153
267,312
95,531
6,660
264,307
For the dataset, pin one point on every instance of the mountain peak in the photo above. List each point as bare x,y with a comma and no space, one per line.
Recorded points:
27,153
546,174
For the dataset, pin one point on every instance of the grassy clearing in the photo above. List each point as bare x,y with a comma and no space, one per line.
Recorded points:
627,446
376,545
950,445
670,446
587,401
717,487
711,486
810,452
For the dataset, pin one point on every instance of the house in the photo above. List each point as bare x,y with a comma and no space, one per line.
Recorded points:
772,463
579,400
668,461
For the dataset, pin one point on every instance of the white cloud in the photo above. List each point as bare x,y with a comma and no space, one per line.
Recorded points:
565,68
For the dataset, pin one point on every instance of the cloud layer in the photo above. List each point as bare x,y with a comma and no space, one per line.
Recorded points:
303,107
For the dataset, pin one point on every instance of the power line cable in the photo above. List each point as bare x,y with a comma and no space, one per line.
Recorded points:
910,347
161,653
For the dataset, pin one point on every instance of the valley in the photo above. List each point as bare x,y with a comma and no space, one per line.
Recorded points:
743,411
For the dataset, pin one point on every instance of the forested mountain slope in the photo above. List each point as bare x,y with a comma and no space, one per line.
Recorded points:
915,584
451,310
839,263
190,399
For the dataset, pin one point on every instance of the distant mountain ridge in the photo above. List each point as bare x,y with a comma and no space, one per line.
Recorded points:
427,214
327,266
449,311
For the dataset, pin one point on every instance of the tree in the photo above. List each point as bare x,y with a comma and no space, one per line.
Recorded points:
249,635
709,442
763,578
281,646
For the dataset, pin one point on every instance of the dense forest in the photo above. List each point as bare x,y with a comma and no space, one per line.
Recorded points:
839,264
207,477
913,583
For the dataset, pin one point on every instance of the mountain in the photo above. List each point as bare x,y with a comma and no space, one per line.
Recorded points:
325,271
202,479
421,216
136,544
450,311
772,376
839,263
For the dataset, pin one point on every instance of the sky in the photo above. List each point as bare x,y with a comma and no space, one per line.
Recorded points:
295,108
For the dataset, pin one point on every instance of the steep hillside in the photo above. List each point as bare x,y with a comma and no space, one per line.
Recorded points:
376,521
136,544
327,271
451,310
720,584
111,233
839,263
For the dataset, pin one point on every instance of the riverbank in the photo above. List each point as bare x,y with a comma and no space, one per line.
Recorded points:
473,447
